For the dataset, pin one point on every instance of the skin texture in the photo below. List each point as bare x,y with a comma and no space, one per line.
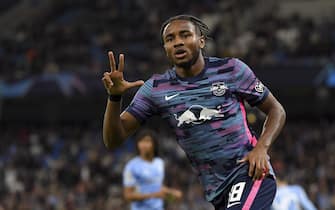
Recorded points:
183,38
117,127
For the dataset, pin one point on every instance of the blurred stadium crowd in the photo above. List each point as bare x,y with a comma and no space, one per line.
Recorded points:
46,168
66,167
75,35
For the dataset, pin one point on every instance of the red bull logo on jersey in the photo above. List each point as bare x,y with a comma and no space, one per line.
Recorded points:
197,114
219,88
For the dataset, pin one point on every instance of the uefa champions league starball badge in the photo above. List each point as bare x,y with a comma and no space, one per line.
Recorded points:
259,87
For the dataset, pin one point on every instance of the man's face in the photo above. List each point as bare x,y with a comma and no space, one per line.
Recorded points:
182,43
146,146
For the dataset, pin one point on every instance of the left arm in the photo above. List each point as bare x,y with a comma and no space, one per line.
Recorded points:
305,202
275,119
274,122
251,89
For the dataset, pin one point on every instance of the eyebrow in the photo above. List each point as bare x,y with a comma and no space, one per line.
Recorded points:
180,32
185,31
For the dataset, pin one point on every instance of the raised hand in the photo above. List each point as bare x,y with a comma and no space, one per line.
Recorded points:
113,80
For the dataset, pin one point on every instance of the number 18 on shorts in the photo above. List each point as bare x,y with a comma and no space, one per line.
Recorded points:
246,194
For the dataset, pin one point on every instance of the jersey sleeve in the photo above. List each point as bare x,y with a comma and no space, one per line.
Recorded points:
142,106
163,167
304,200
128,177
247,85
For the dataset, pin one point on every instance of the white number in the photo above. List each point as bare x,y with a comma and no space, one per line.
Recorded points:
236,192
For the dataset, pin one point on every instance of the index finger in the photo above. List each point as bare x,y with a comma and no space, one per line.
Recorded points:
112,61
121,63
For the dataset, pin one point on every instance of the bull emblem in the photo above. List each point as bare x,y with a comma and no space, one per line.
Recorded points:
203,113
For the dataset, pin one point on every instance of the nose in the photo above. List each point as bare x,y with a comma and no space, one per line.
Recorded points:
178,42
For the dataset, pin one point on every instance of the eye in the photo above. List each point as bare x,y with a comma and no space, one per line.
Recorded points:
185,35
168,38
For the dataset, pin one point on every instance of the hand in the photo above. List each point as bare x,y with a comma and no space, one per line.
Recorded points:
163,193
258,162
177,194
169,193
114,81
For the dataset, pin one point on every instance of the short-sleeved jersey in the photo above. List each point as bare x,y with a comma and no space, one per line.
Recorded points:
208,116
147,177
291,197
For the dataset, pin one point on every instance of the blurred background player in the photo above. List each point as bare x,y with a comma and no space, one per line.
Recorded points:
291,197
143,176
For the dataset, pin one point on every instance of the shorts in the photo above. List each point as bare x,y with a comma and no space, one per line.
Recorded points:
245,194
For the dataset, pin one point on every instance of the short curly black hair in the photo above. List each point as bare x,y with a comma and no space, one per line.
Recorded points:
200,26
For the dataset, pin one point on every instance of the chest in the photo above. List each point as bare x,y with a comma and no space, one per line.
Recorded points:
149,173
192,103
286,199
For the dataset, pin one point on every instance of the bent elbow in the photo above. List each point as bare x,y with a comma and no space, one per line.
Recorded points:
108,145
111,143
283,114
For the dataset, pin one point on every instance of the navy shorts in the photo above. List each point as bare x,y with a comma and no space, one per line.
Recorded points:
245,194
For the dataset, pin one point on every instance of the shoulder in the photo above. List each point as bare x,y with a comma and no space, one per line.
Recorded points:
219,60
239,65
216,61
297,188
221,65
159,164
240,70
167,75
158,78
159,160
132,163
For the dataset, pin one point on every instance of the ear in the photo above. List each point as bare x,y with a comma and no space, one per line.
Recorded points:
202,42
165,50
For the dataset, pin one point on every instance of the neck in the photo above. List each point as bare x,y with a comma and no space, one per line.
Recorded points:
147,157
193,70
281,183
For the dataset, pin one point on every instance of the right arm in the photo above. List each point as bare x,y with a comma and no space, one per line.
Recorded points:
130,194
116,127
305,202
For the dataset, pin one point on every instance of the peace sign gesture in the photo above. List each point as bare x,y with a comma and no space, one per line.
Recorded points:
113,80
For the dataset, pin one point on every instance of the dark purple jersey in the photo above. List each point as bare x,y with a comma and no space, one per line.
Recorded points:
208,116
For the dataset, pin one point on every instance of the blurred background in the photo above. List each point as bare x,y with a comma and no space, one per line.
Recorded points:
52,57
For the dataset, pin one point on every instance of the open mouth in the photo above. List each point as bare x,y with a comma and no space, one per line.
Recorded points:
180,53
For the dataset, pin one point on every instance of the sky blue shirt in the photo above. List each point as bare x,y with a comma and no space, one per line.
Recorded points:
147,177
292,197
